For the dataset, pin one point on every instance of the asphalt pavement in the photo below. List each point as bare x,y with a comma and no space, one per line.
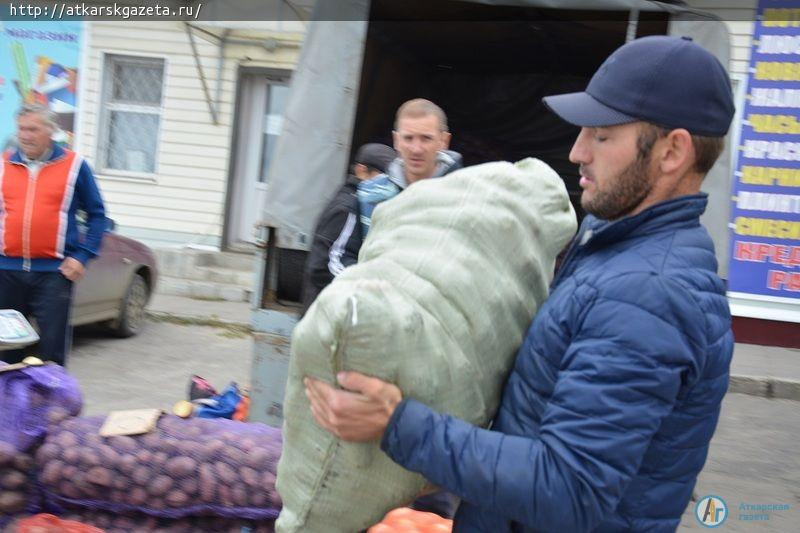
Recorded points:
154,368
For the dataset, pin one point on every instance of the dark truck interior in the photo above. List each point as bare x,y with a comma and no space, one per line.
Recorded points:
488,67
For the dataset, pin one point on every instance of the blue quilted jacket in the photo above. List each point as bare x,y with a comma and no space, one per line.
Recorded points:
606,418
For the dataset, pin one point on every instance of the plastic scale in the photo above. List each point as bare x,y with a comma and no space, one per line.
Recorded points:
15,330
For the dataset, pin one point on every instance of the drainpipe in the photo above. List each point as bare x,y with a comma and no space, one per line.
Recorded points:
633,25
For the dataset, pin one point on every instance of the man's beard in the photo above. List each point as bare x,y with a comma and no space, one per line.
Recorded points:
624,193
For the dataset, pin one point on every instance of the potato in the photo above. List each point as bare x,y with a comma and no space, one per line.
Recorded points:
150,441
275,498
65,439
108,455
144,456
180,466
233,456
247,445
225,473
67,488
87,490
249,476
7,453
57,415
100,476
160,485
258,458
90,458
37,397
193,431
47,452
125,464
124,443
225,496
212,450
51,473
69,472
141,475
187,448
208,483
156,503
159,459
23,462
12,479
137,496
190,485
268,479
70,424
176,498
168,445
239,496
71,455
12,502
258,498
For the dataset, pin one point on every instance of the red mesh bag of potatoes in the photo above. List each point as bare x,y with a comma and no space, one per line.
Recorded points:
406,520
47,523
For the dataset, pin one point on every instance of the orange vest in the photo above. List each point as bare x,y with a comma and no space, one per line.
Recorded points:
34,210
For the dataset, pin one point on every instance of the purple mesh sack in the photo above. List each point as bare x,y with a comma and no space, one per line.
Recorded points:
184,467
32,397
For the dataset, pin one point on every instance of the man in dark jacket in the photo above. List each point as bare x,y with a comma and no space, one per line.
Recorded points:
337,237
606,418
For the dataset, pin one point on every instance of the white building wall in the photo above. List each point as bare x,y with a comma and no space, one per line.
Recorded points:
184,201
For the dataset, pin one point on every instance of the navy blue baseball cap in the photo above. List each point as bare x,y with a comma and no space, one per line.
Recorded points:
668,81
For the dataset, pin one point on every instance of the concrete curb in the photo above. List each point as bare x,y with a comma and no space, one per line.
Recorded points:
766,387
762,386
212,321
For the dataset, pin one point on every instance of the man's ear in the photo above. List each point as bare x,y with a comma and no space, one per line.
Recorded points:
395,139
362,171
677,152
446,136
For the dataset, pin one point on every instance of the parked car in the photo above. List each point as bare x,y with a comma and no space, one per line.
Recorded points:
117,285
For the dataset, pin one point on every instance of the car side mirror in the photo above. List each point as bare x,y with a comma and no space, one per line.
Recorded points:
110,224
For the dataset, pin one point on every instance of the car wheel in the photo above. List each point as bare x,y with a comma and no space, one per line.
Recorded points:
131,316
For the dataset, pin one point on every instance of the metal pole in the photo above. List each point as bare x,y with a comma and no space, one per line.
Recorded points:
211,108
220,63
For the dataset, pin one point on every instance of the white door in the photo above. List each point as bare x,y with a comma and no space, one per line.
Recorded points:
260,119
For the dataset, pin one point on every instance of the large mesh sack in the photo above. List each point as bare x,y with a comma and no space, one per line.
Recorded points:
32,396
448,280
184,467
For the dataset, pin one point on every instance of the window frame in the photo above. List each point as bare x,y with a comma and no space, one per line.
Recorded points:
106,106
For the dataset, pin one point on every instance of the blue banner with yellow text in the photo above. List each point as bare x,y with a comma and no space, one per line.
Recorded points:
39,63
765,211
